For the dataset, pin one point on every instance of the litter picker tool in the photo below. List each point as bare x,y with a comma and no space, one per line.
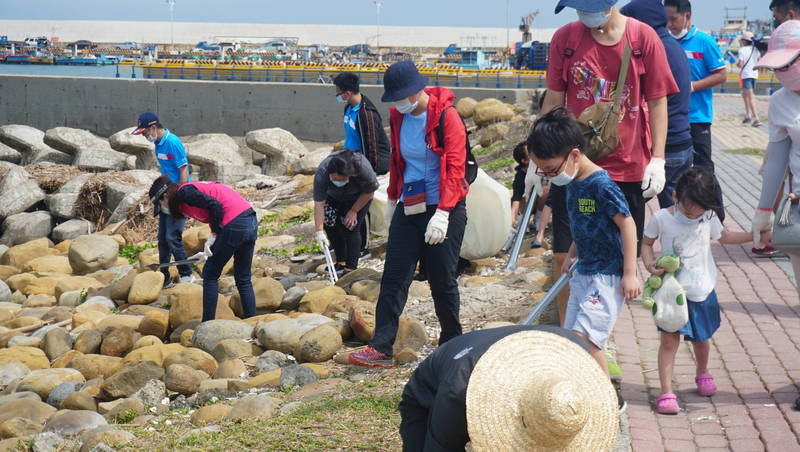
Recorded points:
329,264
520,237
551,295
180,262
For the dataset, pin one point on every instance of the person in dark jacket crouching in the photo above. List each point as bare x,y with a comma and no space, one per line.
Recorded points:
234,230
427,186
343,189
514,388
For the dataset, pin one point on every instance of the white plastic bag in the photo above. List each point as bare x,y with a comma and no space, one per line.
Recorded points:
671,310
488,216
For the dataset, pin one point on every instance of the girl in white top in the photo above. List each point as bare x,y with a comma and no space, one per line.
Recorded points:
748,57
687,229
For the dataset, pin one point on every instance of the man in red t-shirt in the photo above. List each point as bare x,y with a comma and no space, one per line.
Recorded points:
584,65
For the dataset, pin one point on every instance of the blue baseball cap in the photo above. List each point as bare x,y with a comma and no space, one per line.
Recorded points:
145,120
590,6
401,80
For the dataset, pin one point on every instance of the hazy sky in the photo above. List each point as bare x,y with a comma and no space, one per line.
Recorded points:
487,13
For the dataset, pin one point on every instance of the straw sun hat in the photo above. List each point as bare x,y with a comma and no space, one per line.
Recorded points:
538,391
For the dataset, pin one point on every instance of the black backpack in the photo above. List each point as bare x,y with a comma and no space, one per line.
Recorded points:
471,169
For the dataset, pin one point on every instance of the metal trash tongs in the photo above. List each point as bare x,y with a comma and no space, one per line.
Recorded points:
551,295
329,263
519,238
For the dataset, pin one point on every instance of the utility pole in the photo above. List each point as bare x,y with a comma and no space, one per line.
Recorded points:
378,4
171,21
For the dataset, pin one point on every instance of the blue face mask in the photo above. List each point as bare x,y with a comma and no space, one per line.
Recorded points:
686,220
593,20
339,183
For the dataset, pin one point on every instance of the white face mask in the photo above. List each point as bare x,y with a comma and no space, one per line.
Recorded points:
593,20
165,210
405,106
339,183
564,178
680,35
340,99
151,139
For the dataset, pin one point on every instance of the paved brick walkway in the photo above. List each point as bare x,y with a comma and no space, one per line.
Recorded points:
755,356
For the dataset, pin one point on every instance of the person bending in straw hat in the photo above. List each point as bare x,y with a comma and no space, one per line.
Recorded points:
514,388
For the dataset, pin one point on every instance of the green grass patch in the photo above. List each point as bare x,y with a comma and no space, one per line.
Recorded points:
487,150
509,184
275,252
746,151
131,252
352,421
500,163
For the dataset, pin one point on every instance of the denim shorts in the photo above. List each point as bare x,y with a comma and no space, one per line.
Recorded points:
593,306
748,83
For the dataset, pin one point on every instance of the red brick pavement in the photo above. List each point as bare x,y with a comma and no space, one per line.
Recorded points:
755,361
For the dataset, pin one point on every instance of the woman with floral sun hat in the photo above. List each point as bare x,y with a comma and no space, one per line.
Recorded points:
783,152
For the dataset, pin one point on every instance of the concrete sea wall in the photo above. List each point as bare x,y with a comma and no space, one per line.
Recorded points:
189,107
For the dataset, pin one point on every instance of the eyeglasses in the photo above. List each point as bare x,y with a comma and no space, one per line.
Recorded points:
556,172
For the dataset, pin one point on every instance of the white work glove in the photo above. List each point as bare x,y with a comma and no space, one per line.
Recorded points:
388,213
532,180
201,258
437,227
209,243
322,239
655,178
762,222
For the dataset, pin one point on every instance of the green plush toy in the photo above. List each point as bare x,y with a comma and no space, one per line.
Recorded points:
665,297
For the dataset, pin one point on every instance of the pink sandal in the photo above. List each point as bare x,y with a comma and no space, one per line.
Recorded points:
668,404
705,385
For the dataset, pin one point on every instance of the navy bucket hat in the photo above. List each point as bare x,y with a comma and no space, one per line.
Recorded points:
590,6
401,80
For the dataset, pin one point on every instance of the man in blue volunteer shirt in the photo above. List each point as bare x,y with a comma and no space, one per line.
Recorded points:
679,152
171,157
708,70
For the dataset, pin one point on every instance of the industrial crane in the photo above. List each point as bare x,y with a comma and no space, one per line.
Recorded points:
525,25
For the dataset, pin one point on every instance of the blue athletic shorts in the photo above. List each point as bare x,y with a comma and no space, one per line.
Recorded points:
748,83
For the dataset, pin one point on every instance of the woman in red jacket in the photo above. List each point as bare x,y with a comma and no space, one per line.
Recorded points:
234,230
425,210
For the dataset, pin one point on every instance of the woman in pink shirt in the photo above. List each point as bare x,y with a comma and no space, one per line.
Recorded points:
234,230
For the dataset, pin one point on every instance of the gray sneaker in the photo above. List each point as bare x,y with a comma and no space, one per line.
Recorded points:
186,279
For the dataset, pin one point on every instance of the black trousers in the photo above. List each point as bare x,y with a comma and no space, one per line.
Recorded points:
346,242
701,140
417,423
562,236
405,247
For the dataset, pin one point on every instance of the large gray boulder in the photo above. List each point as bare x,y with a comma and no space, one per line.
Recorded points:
117,191
72,229
26,226
136,145
281,148
62,203
208,334
69,140
309,163
128,203
29,142
213,149
94,159
22,138
9,154
229,175
18,192
141,177
90,253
